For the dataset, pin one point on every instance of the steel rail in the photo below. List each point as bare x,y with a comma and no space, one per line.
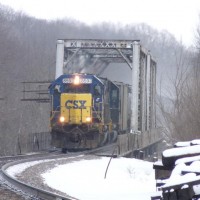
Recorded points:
37,192
34,191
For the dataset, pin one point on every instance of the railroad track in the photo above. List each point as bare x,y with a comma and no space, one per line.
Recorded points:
33,192
4,160
8,191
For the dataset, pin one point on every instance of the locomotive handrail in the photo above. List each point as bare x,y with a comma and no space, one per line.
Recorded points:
53,112
97,112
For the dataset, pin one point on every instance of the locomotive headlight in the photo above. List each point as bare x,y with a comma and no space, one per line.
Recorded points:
88,119
62,119
76,80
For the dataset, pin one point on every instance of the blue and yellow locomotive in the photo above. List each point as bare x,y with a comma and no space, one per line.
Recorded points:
85,111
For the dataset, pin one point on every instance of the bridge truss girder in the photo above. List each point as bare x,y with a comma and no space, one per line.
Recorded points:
94,56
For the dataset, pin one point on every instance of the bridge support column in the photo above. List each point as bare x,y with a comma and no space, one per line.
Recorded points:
135,87
59,58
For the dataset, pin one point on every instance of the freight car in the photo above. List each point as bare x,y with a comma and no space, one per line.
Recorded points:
87,111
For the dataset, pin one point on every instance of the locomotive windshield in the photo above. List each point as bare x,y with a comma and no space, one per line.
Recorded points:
72,88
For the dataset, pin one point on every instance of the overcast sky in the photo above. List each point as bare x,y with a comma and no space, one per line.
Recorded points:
179,17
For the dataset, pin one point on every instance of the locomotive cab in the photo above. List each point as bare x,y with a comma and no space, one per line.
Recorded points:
76,99
83,109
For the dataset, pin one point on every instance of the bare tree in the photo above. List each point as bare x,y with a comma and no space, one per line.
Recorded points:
171,104
181,118
27,53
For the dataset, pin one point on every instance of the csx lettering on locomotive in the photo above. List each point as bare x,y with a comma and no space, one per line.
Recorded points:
75,104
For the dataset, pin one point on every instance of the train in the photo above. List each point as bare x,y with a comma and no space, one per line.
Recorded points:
87,111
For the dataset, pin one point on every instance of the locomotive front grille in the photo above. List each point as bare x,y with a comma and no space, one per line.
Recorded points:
76,108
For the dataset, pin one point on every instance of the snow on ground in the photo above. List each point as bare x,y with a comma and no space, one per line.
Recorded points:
188,150
126,179
17,169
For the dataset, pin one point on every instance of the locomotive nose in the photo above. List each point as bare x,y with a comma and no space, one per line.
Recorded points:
76,108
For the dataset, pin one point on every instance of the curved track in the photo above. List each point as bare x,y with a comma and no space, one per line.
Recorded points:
38,193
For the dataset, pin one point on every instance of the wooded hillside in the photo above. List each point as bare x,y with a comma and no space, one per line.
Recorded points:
27,53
